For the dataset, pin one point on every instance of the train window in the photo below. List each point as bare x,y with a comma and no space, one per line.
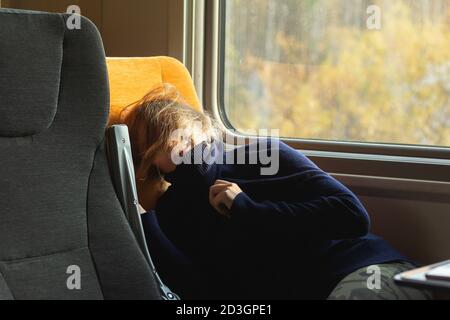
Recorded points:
341,70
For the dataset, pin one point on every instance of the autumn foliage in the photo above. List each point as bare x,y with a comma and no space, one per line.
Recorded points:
314,70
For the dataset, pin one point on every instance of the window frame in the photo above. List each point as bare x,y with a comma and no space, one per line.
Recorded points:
362,158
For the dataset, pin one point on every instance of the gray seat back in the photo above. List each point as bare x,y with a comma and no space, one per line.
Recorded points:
59,213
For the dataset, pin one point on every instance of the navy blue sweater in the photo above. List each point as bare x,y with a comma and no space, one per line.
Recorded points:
292,235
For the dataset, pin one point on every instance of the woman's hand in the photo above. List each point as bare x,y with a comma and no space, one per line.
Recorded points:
222,195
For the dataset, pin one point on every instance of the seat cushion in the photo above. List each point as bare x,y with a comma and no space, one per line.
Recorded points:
58,207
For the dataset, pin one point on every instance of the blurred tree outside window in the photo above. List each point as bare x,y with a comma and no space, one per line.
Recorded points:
315,69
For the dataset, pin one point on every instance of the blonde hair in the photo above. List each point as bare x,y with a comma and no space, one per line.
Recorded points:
152,121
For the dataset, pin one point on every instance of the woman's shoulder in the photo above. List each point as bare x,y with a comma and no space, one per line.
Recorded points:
276,148
270,144
272,156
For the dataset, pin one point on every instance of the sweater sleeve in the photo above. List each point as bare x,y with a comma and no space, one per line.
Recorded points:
333,213
159,245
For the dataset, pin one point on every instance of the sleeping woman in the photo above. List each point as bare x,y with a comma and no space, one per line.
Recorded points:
222,230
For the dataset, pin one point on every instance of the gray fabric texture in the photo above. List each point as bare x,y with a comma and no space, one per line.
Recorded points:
57,204
5,293
20,79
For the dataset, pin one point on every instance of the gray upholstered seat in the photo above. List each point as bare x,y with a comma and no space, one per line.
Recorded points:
58,207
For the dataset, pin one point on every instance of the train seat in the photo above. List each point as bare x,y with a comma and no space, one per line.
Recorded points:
60,216
130,79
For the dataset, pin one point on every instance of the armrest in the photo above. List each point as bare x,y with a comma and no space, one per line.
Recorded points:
122,172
